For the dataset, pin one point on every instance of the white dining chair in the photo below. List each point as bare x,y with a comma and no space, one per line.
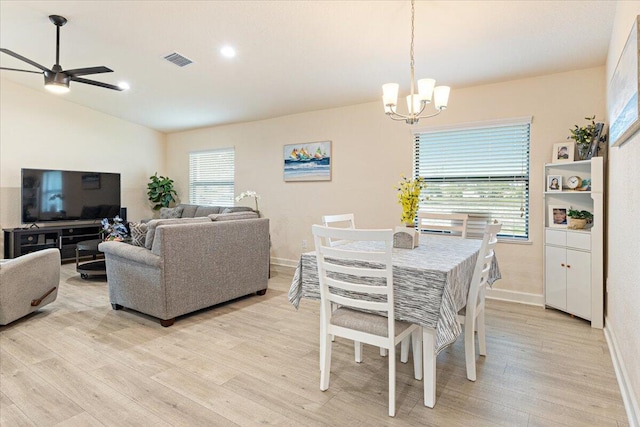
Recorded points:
472,315
450,224
356,280
349,221
341,221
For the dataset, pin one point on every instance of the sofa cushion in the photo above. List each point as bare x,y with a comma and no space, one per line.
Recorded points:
237,209
188,211
154,223
206,210
138,233
168,213
233,216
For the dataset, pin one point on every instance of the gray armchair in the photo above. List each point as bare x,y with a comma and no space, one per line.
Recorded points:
28,283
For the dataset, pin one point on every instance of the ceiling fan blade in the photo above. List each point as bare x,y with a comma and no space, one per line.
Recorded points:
22,58
95,83
24,71
89,70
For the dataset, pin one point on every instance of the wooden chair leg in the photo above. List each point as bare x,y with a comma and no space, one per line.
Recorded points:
416,337
392,382
357,347
404,349
470,348
482,344
325,358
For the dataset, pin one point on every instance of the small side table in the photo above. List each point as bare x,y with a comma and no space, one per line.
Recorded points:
90,268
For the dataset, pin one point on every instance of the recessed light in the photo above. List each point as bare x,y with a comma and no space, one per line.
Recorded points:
228,52
124,85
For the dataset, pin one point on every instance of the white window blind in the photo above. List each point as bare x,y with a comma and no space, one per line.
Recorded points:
482,170
211,177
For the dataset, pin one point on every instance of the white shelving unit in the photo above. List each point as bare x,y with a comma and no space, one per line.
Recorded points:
573,259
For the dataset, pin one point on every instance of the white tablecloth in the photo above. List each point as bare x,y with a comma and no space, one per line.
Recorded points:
430,282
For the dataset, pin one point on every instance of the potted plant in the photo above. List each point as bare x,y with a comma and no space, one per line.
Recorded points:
583,135
578,219
161,191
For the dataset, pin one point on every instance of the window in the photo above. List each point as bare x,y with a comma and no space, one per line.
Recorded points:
480,169
211,177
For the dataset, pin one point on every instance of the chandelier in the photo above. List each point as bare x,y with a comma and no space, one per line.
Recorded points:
416,102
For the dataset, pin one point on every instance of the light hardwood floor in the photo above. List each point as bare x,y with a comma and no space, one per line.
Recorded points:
255,361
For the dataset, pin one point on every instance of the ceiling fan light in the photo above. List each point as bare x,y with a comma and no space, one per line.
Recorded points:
56,82
124,86
56,87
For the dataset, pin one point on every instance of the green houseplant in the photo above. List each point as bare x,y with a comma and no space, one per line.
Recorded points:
161,192
583,135
578,219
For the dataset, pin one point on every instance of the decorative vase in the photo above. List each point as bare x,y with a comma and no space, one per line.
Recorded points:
577,223
583,151
406,237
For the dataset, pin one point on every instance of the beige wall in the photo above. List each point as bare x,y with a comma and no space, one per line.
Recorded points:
623,285
370,152
40,130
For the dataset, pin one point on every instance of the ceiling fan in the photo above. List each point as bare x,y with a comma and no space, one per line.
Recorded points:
56,79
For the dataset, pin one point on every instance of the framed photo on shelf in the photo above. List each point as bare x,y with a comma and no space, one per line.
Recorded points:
558,216
554,183
563,152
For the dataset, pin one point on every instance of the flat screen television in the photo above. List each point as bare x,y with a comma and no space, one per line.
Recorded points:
58,195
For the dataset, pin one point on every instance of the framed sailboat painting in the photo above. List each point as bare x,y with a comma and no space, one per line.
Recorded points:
310,161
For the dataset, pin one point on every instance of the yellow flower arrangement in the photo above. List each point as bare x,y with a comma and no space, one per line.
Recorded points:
409,197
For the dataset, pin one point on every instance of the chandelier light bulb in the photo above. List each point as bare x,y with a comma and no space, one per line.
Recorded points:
441,97
425,89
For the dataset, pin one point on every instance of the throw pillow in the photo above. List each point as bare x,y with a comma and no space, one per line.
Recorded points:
138,233
233,216
237,209
169,213
154,223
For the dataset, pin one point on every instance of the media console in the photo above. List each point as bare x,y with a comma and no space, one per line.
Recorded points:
21,241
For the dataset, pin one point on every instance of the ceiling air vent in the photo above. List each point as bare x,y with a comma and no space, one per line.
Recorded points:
178,59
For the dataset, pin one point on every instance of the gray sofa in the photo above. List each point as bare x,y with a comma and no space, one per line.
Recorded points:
191,264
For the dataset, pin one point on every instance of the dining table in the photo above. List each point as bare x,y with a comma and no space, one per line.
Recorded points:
430,283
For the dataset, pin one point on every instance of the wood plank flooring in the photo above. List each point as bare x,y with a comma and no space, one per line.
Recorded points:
254,361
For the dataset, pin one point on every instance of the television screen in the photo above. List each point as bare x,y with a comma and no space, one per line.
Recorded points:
56,195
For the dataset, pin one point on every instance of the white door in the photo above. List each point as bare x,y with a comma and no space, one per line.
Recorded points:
579,283
555,277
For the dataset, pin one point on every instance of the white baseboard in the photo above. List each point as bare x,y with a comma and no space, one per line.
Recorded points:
628,397
515,296
284,262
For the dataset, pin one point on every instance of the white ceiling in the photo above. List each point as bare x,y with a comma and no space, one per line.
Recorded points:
293,56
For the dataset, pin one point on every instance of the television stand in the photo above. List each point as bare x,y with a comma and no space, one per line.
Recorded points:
21,241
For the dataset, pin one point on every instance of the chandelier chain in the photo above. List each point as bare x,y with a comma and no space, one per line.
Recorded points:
412,61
